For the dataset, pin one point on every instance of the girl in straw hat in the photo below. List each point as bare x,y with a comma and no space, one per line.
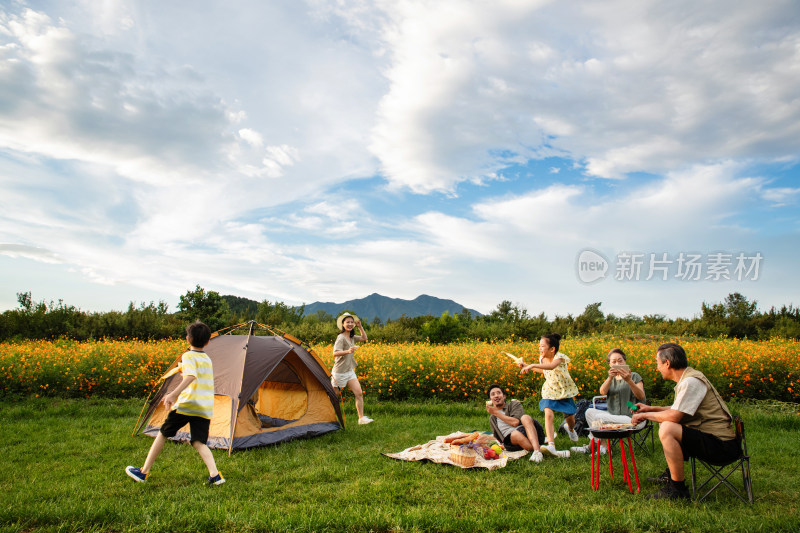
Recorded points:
344,366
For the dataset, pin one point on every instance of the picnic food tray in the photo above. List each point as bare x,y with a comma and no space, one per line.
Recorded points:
615,431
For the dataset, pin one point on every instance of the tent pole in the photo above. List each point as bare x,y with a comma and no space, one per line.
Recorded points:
136,427
237,400
234,416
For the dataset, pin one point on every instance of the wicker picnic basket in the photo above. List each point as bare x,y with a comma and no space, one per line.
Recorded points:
462,456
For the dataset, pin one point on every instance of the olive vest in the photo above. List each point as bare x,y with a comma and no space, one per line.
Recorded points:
712,416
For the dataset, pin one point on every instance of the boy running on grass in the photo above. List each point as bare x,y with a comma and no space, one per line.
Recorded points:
191,402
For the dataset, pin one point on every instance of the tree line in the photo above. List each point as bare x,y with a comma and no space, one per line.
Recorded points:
735,317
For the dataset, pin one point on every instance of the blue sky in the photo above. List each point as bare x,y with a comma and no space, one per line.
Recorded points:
323,151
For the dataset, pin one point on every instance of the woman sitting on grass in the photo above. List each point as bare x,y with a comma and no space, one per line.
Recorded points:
621,386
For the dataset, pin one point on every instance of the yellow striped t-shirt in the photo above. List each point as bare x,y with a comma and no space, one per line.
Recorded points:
198,398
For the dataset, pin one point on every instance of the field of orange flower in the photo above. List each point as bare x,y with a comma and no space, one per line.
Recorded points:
739,369
71,369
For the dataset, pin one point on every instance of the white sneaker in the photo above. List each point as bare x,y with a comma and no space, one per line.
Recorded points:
550,449
365,420
587,448
536,456
573,435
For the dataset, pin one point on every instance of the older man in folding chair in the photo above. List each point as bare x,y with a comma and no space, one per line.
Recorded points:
698,423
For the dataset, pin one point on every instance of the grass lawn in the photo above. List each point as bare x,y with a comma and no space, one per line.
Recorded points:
63,470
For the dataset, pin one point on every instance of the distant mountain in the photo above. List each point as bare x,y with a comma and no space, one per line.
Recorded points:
367,308
390,308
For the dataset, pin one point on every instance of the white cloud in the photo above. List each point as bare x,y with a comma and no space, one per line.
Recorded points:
158,121
534,238
251,137
339,217
30,252
278,157
544,213
520,228
781,196
73,102
523,247
135,150
650,87
136,154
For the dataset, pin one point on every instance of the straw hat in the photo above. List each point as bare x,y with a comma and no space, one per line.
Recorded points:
341,319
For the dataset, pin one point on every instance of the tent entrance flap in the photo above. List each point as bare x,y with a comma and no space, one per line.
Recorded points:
282,397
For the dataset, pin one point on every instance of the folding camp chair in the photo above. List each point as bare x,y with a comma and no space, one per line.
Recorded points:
640,438
599,402
722,472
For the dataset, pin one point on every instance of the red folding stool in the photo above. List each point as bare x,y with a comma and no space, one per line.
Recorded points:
621,436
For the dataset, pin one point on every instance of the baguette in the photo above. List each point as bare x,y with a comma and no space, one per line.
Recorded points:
450,439
466,439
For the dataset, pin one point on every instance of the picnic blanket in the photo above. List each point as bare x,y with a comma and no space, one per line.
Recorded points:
438,451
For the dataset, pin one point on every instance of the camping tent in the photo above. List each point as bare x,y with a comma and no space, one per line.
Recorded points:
267,389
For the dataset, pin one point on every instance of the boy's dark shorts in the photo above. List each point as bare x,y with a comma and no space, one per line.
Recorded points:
198,426
695,443
513,447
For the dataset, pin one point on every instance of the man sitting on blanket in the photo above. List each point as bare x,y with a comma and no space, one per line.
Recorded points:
513,427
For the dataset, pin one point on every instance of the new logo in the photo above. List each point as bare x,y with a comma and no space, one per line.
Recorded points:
591,265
